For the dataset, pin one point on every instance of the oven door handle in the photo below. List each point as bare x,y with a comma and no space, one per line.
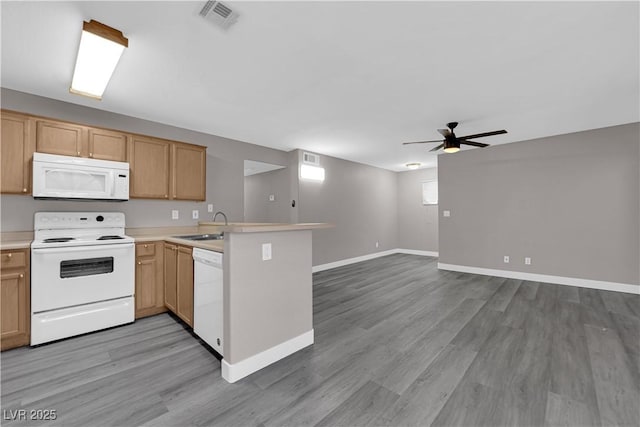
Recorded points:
82,248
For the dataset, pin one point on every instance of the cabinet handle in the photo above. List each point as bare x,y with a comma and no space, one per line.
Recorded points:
90,154
21,276
166,196
139,263
78,153
24,190
9,255
146,246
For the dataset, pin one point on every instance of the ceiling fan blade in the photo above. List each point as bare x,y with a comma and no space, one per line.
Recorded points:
475,144
444,132
480,135
421,142
437,148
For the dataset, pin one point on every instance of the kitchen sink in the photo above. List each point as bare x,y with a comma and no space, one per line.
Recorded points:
198,237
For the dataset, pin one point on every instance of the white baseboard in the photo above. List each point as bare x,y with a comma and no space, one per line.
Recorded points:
535,277
416,252
348,261
239,370
367,257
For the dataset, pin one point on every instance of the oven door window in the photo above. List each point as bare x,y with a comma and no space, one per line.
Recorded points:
86,267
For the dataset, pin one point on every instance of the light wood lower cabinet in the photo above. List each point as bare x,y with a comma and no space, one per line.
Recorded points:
14,298
178,281
149,279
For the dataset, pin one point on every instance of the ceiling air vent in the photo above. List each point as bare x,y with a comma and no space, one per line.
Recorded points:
219,13
311,159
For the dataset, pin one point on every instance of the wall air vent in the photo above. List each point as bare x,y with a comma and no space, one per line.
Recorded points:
311,159
219,13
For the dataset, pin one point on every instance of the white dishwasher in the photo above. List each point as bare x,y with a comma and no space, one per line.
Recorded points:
207,297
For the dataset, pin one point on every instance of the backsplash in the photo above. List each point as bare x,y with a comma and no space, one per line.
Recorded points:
17,211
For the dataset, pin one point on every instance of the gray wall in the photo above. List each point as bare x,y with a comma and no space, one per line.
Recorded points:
225,168
417,223
570,202
258,188
271,301
360,200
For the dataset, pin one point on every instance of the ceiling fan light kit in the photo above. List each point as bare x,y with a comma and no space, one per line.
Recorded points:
100,50
451,142
413,166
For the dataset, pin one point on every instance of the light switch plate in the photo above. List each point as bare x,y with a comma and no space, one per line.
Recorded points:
272,197
195,214
266,251
210,207
446,214
175,214
506,259
527,261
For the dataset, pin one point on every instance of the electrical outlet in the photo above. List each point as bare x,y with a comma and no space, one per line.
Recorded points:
527,261
377,244
272,197
266,251
446,214
195,214
210,208
506,259
175,214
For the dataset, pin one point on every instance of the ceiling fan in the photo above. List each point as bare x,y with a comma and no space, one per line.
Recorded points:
451,142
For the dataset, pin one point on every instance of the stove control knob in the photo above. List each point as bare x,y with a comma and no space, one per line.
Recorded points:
99,218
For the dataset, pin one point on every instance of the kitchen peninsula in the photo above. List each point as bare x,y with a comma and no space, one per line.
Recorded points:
267,288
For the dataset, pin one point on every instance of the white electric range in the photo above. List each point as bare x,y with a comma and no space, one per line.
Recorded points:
82,274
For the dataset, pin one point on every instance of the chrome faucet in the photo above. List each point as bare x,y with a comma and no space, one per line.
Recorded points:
223,215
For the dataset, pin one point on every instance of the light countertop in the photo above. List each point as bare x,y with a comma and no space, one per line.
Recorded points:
22,239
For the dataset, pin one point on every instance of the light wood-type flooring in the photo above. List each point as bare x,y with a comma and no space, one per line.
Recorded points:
398,342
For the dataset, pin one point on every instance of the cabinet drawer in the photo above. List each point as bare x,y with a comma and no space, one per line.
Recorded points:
145,249
12,259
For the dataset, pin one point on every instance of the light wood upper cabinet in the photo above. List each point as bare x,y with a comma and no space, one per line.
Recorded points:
149,159
18,145
61,138
189,172
160,169
14,299
149,279
107,145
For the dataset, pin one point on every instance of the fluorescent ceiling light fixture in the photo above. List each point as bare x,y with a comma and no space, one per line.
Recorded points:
413,166
314,173
100,49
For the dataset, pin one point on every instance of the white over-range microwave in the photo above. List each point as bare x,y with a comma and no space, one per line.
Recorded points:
65,177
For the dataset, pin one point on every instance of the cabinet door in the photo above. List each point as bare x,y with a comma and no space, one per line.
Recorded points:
60,138
149,160
14,300
185,285
149,279
189,172
17,151
170,276
107,145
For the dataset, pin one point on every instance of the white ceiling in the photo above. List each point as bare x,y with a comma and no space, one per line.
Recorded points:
347,79
251,167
